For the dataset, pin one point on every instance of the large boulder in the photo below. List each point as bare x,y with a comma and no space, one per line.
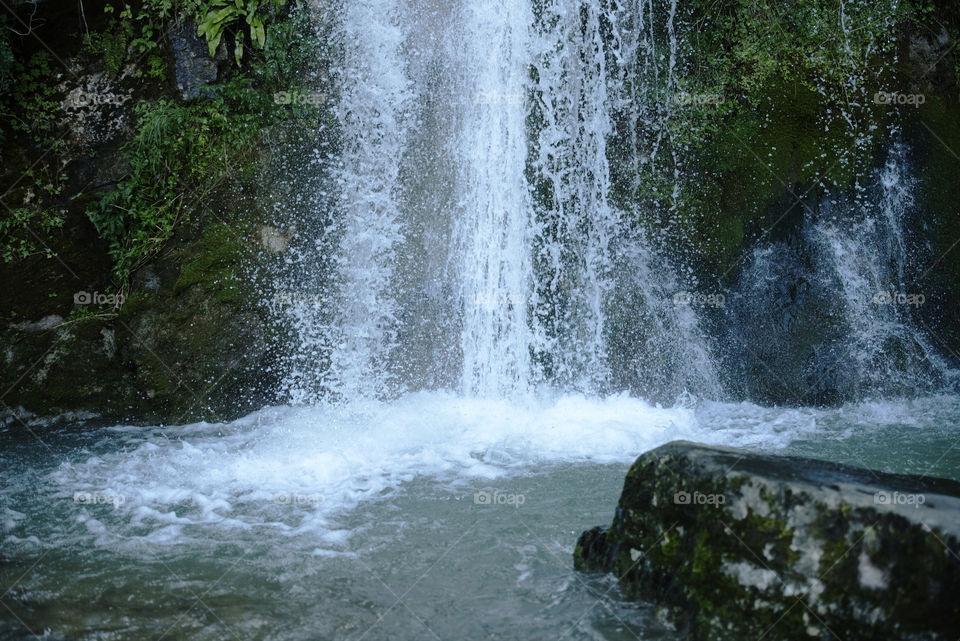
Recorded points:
738,545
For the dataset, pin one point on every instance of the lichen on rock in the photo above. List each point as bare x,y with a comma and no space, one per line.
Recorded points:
737,544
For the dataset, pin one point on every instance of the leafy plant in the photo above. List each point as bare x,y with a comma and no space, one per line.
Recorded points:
19,229
111,46
781,71
181,153
33,104
222,13
179,156
6,56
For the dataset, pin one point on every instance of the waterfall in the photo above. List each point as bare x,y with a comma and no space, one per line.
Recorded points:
864,257
605,297
494,229
478,241
829,314
486,236
374,110
576,222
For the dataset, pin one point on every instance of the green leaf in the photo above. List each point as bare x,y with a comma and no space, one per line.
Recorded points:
257,33
213,21
221,15
213,41
238,49
213,24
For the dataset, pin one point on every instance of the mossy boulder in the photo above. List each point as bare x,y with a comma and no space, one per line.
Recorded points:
740,545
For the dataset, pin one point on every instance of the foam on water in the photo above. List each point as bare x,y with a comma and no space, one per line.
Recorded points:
294,470
374,494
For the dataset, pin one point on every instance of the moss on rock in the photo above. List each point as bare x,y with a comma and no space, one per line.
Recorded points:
158,209
738,545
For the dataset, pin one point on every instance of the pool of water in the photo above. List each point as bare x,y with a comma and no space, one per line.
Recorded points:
431,517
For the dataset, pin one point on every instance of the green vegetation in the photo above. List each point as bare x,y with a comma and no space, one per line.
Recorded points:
154,198
182,153
139,30
111,45
145,24
22,228
29,110
16,232
221,13
179,156
6,58
32,104
216,266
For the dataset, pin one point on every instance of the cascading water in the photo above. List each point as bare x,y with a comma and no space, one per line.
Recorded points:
607,313
833,306
576,221
374,111
493,233
864,257
475,207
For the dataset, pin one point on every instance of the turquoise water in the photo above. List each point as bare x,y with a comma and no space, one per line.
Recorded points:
364,523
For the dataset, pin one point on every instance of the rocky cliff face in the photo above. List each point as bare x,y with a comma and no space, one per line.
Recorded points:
140,226
740,545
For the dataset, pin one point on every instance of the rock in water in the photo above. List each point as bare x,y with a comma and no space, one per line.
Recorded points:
739,545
